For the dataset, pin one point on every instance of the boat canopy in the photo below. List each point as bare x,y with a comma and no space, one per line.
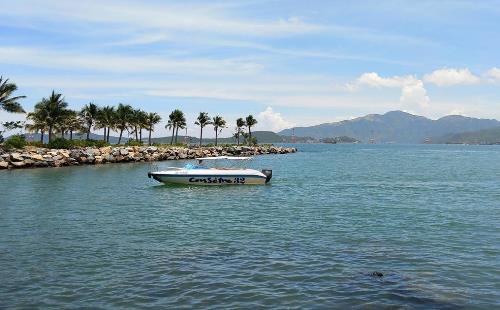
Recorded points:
224,157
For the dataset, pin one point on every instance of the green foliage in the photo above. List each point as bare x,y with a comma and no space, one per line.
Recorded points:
134,143
7,102
35,143
61,143
15,142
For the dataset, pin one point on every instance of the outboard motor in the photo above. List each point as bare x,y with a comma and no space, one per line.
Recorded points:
268,173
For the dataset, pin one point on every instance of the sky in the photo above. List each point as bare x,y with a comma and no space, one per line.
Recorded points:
289,63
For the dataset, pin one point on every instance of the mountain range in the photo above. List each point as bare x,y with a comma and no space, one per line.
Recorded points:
394,127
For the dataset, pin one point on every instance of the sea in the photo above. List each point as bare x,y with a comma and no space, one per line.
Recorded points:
339,227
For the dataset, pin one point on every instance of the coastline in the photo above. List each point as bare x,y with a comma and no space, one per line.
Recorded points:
34,157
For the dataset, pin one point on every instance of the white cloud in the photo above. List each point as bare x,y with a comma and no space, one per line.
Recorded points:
270,120
493,75
124,64
134,15
450,77
413,92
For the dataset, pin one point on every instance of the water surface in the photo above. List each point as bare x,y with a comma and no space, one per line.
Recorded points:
427,217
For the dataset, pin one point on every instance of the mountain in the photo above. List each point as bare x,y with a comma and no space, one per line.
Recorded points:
261,136
485,136
394,126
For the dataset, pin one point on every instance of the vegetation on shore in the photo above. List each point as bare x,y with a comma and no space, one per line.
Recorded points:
53,117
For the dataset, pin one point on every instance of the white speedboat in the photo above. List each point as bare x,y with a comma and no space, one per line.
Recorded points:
200,174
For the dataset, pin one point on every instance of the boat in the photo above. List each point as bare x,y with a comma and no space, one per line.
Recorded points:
201,174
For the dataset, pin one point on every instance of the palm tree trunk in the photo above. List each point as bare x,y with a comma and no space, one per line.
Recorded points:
238,136
201,135
71,134
50,133
120,138
136,136
88,133
41,136
249,135
176,133
104,138
107,137
216,135
172,138
149,138
140,134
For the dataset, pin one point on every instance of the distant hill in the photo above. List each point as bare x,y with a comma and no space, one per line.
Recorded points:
485,136
395,126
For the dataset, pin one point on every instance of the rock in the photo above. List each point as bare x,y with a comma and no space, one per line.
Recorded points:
41,164
18,164
123,152
29,162
98,159
36,157
377,274
59,163
4,165
16,157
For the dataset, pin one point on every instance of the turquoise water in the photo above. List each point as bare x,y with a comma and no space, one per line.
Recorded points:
427,217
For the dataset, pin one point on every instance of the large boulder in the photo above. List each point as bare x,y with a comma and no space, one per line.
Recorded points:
41,164
16,157
18,164
37,157
4,165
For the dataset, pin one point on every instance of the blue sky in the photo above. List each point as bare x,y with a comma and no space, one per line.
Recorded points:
287,62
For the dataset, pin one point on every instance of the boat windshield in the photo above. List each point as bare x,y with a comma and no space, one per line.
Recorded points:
194,166
223,162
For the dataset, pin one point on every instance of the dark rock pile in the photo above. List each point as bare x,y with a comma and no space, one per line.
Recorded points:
32,157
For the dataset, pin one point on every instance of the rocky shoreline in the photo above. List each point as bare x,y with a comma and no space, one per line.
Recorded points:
33,157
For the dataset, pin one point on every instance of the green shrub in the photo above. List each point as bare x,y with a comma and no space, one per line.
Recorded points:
88,143
60,143
15,142
134,143
35,143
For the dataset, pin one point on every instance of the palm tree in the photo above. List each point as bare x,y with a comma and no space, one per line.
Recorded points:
73,123
7,102
123,116
64,125
38,117
106,120
250,121
180,122
240,123
218,122
171,125
151,120
89,115
55,110
202,120
135,122
142,122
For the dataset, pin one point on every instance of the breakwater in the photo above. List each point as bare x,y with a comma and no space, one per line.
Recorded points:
33,157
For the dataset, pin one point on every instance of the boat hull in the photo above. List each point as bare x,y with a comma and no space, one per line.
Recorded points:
210,180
